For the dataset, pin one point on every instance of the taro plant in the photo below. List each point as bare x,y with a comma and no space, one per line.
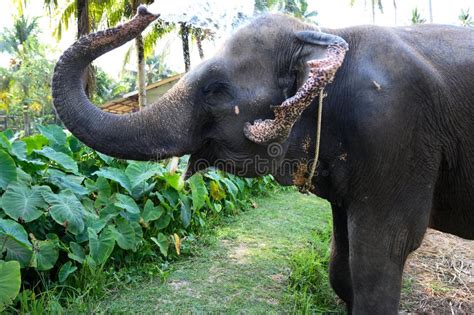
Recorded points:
64,207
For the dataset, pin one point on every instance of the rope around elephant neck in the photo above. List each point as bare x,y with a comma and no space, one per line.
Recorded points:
307,186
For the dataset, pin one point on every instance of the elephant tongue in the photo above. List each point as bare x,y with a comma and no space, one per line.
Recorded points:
322,72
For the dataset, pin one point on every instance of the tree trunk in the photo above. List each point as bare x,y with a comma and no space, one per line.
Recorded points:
83,28
141,78
431,11
199,37
395,10
26,120
373,11
184,31
141,73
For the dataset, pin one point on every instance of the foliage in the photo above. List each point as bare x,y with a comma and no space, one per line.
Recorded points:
416,17
25,84
67,211
9,282
13,40
466,19
107,88
296,8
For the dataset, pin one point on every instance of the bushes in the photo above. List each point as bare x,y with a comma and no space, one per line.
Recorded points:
66,210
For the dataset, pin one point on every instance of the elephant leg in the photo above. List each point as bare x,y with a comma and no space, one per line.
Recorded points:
380,240
339,271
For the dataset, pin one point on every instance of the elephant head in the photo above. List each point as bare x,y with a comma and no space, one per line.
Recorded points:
208,113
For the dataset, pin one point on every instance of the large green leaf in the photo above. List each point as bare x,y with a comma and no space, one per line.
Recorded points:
231,187
163,243
124,235
143,189
76,252
23,177
7,169
127,203
216,191
19,150
107,159
152,213
138,172
23,203
66,210
103,189
198,191
54,133
4,142
174,180
10,281
14,240
185,211
65,271
62,159
67,181
34,142
101,246
116,175
45,254
93,221
162,222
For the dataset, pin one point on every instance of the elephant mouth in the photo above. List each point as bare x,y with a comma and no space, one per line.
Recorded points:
232,162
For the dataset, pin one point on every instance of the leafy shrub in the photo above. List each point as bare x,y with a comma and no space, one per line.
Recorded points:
68,210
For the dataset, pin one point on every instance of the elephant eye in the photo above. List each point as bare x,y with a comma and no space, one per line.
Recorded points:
290,85
216,92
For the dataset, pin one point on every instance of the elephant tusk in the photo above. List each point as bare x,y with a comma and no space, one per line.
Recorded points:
322,72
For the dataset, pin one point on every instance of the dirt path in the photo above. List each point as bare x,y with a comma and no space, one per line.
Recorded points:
244,267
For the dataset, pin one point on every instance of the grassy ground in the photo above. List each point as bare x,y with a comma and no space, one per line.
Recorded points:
243,266
273,259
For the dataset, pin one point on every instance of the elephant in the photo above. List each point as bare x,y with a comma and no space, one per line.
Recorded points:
396,145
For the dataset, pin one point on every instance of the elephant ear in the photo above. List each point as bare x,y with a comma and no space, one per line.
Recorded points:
322,70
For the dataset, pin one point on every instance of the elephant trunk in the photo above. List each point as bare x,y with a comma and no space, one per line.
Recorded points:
159,131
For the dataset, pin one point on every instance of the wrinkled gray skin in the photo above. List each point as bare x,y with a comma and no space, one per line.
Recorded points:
397,146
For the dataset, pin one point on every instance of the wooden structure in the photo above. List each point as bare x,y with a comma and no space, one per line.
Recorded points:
129,102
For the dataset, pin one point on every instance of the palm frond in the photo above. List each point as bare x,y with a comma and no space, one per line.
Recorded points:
63,22
380,5
151,37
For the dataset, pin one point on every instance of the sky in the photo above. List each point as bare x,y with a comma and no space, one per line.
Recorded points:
331,13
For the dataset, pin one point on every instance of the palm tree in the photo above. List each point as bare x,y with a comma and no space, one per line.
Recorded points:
140,49
16,39
299,9
466,18
430,7
296,8
88,14
374,3
184,31
395,11
265,5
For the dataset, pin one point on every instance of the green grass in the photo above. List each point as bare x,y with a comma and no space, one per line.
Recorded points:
270,259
